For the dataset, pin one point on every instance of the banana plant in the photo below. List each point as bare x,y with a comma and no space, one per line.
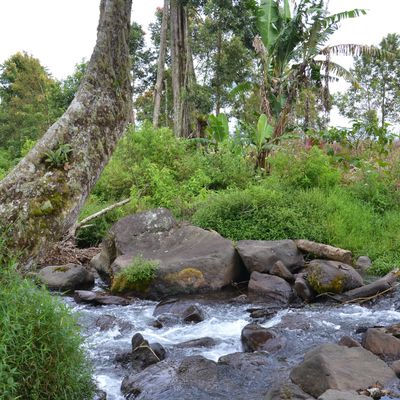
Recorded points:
261,139
218,128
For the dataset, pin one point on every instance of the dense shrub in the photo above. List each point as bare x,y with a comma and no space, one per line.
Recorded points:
335,217
41,354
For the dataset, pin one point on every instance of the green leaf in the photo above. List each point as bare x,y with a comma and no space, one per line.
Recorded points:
263,133
267,22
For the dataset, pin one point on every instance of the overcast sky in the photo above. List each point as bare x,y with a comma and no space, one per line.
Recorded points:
60,33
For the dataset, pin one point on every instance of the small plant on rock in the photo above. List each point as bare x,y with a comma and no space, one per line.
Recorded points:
137,276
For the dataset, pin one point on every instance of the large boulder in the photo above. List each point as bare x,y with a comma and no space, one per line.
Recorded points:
382,342
331,366
99,299
332,394
66,278
189,259
236,376
270,289
332,276
262,255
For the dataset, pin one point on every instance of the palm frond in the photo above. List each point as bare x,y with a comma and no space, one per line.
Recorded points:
351,49
336,18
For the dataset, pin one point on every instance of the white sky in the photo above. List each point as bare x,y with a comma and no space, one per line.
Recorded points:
60,33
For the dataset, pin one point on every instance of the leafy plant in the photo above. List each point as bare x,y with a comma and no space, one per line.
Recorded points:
137,276
41,353
59,157
218,127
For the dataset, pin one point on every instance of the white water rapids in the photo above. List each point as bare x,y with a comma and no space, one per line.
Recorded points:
303,329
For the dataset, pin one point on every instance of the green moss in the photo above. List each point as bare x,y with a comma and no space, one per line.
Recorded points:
188,277
62,268
336,285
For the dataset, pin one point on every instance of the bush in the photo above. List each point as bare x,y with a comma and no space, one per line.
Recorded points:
41,354
272,212
303,169
136,276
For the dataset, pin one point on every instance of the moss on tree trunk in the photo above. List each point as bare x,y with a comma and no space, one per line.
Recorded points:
41,198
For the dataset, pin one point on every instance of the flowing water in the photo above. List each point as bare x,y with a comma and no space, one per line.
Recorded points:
109,330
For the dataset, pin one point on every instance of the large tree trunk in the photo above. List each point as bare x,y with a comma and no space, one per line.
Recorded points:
161,65
182,67
41,198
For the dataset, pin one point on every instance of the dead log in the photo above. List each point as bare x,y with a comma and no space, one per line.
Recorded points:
41,198
368,292
325,251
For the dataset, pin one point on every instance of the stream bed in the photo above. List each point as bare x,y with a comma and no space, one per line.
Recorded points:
109,329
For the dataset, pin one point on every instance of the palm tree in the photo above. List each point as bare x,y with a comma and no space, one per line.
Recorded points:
294,55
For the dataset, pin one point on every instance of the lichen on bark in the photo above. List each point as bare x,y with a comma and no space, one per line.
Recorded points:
39,202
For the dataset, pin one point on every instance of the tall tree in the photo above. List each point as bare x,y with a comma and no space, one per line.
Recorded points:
161,65
25,101
41,198
377,90
181,66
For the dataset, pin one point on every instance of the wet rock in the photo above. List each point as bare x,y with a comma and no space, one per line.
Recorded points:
100,395
382,343
190,259
279,269
99,299
234,376
181,310
333,394
145,354
363,263
332,276
348,341
303,290
207,342
287,391
331,366
262,313
108,322
395,365
256,338
262,255
270,289
65,278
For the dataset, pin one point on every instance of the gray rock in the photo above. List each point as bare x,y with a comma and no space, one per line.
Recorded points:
332,276
100,395
331,366
107,322
66,278
99,299
348,342
287,391
303,289
238,376
144,353
206,342
381,343
183,310
262,255
332,394
279,269
254,337
270,288
395,365
363,263
190,259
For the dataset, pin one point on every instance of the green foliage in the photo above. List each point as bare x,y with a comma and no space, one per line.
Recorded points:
41,353
218,127
59,157
136,276
300,168
271,211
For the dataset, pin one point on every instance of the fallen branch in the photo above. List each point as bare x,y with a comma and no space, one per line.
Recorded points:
371,291
324,251
83,224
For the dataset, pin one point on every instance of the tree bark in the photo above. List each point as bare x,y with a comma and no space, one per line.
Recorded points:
41,198
161,65
325,251
182,66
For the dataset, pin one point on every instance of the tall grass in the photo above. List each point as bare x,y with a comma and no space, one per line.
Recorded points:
41,353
